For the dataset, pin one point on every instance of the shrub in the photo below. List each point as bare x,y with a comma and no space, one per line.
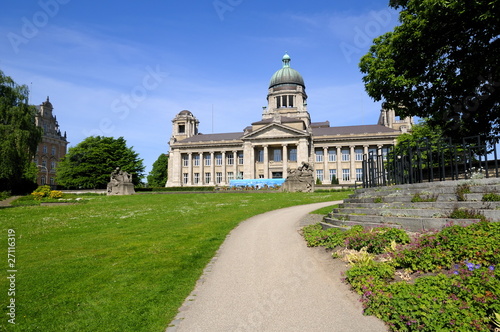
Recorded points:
376,240
466,214
37,196
43,190
491,197
329,238
56,194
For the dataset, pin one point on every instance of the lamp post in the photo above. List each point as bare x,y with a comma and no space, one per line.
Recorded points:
46,172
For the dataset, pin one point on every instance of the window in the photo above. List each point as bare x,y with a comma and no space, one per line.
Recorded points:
182,128
290,101
218,159
319,174
52,181
230,176
346,174
196,178
240,158
345,155
53,165
278,102
45,149
196,160
208,161
293,154
261,176
185,178
332,155
372,152
230,159
185,160
333,174
53,150
218,177
240,175
284,101
260,155
44,163
359,174
277,155
319,155
208,177
42,180
385,151
359,154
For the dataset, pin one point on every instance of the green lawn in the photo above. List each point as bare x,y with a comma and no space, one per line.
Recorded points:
120,263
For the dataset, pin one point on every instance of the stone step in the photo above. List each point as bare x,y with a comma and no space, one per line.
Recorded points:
407,223
492,215
347,224
437,184
426,191
424,205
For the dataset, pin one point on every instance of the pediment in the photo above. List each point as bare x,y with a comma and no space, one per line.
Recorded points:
275,130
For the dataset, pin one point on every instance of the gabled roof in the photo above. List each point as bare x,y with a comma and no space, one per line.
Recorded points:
276,128
354,130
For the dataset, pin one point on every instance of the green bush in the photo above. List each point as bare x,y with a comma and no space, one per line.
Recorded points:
461,291
317,237
461,190
466,214
491,197
44,191
376,240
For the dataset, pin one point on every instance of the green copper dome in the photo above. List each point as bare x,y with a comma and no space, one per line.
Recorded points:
286,75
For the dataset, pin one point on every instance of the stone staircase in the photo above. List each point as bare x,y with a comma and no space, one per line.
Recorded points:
417,207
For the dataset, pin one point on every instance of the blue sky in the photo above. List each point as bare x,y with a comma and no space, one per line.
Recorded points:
126,68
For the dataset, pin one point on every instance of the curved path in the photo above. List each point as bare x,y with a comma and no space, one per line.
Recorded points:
265,278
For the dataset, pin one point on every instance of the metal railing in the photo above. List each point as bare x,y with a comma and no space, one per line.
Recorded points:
417,162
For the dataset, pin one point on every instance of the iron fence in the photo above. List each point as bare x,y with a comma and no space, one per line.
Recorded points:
416,162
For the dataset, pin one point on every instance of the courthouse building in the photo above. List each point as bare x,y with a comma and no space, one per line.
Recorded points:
281,140
53,146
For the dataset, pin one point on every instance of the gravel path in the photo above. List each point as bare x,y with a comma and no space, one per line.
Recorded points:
265,278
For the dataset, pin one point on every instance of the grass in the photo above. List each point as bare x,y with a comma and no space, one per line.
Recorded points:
325,210
120,263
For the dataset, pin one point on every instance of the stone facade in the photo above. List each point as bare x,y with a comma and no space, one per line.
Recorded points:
53,146
283,139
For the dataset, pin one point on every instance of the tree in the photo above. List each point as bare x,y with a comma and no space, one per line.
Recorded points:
90,163
159,173
441,63
19,136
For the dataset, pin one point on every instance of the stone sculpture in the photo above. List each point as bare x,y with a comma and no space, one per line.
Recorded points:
300,179
120,183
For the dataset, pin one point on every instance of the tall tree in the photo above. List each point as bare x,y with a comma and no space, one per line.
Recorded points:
19,136
442,63
90,163
159,173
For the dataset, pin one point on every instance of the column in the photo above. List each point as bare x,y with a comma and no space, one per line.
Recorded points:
339,163
175,175
302,151
352,159
212,168
190,168
285,160
224,176
248,161
202,169
326,173
266,162
235,164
